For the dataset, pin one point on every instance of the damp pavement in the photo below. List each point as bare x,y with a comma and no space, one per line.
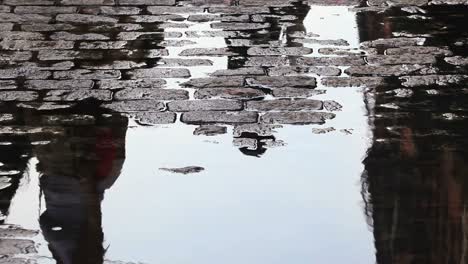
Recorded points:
245,131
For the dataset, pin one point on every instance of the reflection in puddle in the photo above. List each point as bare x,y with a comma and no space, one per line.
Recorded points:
391,158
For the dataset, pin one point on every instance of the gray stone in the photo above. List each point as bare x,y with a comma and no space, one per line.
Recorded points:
19,35
437,51
287,51
159,73
296,118
205,105
16,246
104,45
15,55
266,61
457,60
215,82
332,106
148,2
210,130
88,74
83,36
284,105
151,94
324,42
85,19
428,80
296,92
8,85
390,70
245,71
119,10
229,93
353,81
301,70
35,45
18,96
323,130
283,81
131,84
87,2
175,62
262,130
249,143
210,117
6,26
114,65
24,72
41,27
50,55
44,9
136,106
401,59
393,42
18,18
156,18
156,118
240,26
59,85
195,52
78,95
239,10
402,93
174,9
331,61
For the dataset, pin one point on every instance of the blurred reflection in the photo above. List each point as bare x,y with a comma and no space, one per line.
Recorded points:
415,186
80,156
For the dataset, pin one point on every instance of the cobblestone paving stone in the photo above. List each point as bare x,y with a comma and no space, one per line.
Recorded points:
141,58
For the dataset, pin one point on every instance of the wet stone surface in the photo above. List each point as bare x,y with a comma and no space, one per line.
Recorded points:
73,71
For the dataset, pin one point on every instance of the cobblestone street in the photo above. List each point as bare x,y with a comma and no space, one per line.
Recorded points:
75,74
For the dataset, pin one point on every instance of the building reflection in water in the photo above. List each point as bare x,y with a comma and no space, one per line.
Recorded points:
79,156
415,184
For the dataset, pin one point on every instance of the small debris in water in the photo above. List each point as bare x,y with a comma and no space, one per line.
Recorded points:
323,130
347,131
184,170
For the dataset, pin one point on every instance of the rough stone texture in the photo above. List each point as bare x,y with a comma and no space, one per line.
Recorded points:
204,117
155,118
229,93
205,105
353,82
263,130
210,130
296,118
279,82
159,73
284,105
129,84
151,94
16,246
215,82
78,95
441,80
136,106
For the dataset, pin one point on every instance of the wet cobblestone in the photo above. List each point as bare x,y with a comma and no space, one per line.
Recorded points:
158,61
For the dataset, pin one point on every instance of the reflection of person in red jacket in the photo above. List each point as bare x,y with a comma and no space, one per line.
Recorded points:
76,168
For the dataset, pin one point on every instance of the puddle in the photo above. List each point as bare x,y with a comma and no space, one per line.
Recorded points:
381,182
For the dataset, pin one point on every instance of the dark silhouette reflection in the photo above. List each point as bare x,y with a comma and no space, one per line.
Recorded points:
80,155
415,184
76,170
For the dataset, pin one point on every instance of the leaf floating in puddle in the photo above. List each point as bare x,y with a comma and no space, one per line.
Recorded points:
184,170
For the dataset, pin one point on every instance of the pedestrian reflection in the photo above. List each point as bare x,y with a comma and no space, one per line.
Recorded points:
76,169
